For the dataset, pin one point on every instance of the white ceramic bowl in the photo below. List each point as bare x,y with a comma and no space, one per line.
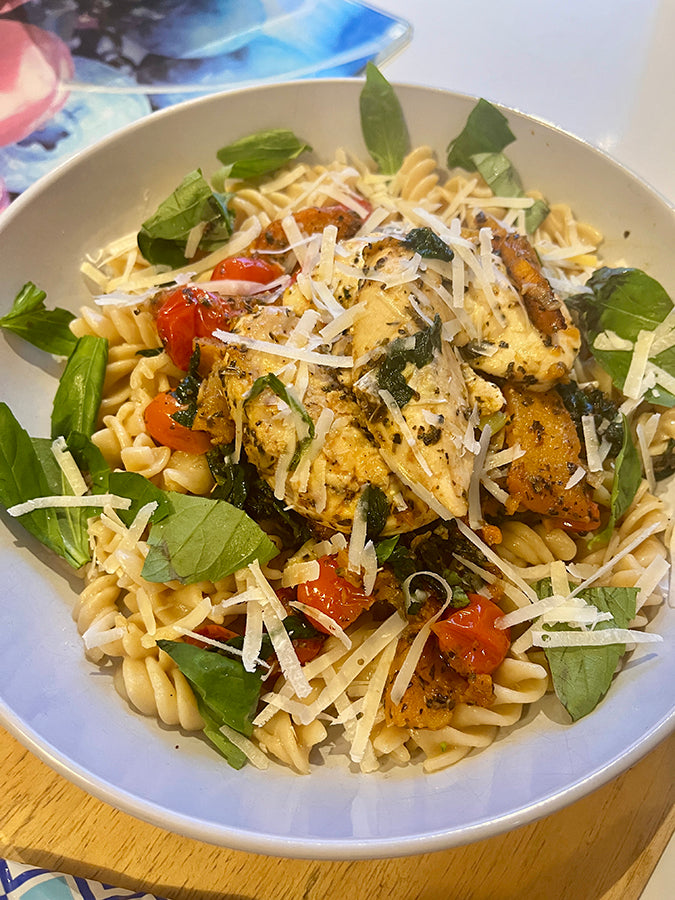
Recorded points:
66,710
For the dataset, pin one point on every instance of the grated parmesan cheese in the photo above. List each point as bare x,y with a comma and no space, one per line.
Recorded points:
602,638
68,501
632,386
331,626
68,466
284,350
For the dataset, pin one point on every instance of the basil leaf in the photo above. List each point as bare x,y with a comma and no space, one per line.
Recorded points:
234,756
486,131
163,237
479,147
582,675
399,354
45,328
626,302
203,540
276,385
22,477
78,396
261,153
229,691
140,491
382,123
504,181
226,693
428,244
71,521
627,478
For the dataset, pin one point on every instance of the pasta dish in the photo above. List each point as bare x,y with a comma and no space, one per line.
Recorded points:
368,480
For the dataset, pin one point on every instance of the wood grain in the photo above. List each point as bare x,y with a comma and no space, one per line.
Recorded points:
604,847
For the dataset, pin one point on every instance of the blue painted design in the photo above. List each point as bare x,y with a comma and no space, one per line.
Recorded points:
21,882
185,49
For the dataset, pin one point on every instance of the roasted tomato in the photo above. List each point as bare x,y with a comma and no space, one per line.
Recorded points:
191,312
332,594
243,268
164,429
470,638
212,631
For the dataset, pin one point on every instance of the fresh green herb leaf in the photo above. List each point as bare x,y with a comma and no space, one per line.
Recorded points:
140,491
150,351
626,302
45,328
71,521
428,244
582,675
203,539
627,478
261,153
382,123
78,396
486,131
230,692
234,756
504,181
399,354
376,506
479,147
226,692
23,477
277,386
163,237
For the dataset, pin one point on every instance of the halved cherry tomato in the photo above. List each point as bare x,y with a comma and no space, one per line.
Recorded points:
334,595
191,312
243,268
470,636
166,431
307,648
213,631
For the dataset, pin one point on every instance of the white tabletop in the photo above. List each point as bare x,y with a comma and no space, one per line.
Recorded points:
603,70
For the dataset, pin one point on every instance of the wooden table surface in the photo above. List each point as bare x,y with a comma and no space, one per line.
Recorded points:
603,846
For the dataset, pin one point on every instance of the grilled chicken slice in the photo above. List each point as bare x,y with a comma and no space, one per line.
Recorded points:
329,491
525,333
538,480
410,383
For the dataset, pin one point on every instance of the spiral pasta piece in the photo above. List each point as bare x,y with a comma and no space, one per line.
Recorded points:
157,688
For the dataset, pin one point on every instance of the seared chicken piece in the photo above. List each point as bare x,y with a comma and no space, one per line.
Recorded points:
410,382
526,332
310,221
348,460
537,481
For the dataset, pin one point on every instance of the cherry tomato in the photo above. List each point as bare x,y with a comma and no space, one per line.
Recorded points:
332,594
188,313
307,648
213,631
243,268
470,635
166,431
